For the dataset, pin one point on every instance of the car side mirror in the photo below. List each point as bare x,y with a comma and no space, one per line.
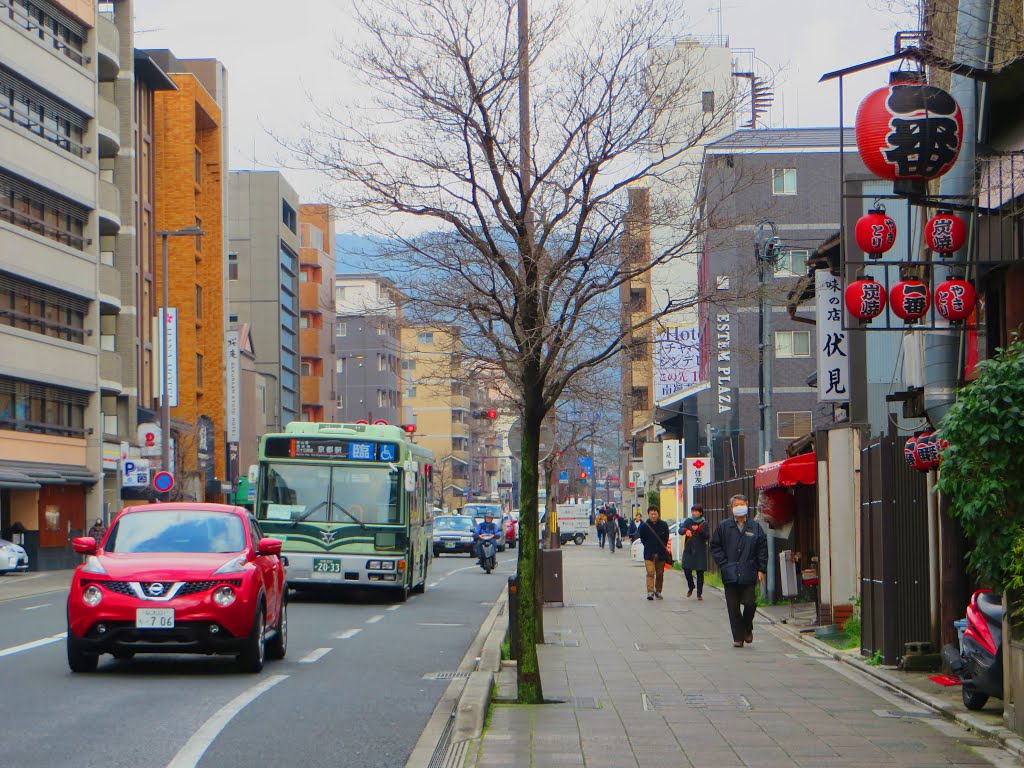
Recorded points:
269,547
284,560
84,545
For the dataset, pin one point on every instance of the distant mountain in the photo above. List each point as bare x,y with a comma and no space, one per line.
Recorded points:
355,253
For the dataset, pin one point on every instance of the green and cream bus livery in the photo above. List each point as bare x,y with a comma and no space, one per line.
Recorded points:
351,502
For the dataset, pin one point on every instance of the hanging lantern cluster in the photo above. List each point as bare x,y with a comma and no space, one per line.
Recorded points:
945,233
924,451
909,130
875,232
955,299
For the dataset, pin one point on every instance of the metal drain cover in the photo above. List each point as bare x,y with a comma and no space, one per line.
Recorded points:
445,675
733,701
908,714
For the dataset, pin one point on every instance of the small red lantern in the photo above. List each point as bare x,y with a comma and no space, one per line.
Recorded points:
945,233
909,130
865,298
926,452
875,232
908,452
909,299
955,299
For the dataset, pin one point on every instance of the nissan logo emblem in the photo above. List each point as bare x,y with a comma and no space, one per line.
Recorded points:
156,589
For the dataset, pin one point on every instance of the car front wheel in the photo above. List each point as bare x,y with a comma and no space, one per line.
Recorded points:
255,651
78,659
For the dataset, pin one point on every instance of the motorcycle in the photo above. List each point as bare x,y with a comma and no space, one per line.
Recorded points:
980,664
488,552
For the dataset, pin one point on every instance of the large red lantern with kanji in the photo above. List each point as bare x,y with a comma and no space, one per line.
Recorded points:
945,233
955,299
865,298
909,130
926,452
875,232
909,299
908,451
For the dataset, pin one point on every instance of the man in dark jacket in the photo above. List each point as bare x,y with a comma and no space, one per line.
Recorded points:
694,529
740,548
654,535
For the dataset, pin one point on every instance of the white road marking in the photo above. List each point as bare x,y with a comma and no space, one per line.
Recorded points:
395,607
34,607
432,584
316,655
438,624
375,619
34,644
190,754
348,633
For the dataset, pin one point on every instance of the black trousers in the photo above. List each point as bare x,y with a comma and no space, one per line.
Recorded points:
689,580
742,623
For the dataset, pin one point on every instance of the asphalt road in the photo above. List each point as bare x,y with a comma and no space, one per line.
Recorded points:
351,691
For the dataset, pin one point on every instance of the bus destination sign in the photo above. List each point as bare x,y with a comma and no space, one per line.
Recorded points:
329,448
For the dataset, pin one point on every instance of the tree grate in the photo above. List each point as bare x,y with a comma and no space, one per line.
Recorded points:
445,675
721,701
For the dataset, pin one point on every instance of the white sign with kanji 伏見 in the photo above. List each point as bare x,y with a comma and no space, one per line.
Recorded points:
833,342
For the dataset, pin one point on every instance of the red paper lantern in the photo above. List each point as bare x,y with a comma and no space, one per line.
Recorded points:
908,452
875,232
909,299
955,299
926,452
865,298
945,233
909,130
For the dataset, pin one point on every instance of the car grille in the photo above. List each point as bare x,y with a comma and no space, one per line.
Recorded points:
194,587
121,587
188,588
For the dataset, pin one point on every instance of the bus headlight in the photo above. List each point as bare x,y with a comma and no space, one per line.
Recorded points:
380,565
92,596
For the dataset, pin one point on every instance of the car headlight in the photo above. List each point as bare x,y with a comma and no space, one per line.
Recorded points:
93,565
92,595
224,596
466,538
7,548
234,565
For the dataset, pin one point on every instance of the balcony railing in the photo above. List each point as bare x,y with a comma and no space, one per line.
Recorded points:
16,14
27,122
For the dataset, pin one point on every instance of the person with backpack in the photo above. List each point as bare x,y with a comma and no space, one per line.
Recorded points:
654,534
602,518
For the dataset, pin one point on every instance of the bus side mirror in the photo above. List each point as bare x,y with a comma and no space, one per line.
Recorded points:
411,468
254,474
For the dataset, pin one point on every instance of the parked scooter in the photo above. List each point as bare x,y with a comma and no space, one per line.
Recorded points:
980,665
488,552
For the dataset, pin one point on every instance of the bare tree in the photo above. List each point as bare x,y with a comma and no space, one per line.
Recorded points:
529,267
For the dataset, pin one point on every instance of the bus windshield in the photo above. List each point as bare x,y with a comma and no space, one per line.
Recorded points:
319,493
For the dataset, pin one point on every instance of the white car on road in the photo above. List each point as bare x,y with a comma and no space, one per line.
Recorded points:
13,557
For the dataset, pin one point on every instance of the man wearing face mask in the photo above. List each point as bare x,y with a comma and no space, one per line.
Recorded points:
740,548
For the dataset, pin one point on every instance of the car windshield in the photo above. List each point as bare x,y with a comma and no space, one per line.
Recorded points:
299,492
453,524
479,510
177,530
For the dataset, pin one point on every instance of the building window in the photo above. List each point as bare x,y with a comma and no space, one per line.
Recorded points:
341,329
637,350
199,302
51,26
197,165
425,337
232,318
199,371
306,368
707,101
408,363
410,391
29,407
784,181
793,424
232,266
722,283
637,300
339,365
37,112
641,398
381,399
792,343
199,238
382,329
38,210
34,307
339,293
792,263
382,363
288,215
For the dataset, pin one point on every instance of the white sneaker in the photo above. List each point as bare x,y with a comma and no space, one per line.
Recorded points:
650,595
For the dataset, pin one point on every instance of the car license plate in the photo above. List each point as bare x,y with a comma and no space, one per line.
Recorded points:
154,618
449,545
326,565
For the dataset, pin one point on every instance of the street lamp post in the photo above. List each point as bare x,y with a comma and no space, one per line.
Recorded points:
165,406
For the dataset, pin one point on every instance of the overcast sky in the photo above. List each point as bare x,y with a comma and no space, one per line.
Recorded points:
280,54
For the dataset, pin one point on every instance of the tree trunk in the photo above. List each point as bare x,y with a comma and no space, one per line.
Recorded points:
528,668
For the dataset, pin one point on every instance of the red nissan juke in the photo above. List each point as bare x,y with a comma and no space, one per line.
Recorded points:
179,578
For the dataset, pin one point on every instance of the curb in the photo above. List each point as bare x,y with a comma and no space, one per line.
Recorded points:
442,741
1009,740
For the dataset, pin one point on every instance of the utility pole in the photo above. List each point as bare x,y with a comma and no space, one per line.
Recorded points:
765,254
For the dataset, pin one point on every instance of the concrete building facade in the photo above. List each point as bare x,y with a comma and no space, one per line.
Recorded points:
317,316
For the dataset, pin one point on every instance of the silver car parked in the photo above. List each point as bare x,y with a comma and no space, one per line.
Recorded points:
13,557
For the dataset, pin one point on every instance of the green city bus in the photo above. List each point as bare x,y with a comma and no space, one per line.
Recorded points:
351,502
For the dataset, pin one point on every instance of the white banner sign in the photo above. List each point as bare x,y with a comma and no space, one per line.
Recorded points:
135,473
171,356
233,396
833,341
676,360
698,472
148,436
671,454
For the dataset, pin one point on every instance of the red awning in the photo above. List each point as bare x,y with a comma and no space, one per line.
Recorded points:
797,470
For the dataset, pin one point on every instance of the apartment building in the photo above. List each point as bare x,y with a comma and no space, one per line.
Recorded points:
263,274
53,211
370,367
188,193
316,312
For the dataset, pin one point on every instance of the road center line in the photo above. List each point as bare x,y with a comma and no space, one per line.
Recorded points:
315,655
349,633
190,754
375,619
34,607
438,624
395,607
34,644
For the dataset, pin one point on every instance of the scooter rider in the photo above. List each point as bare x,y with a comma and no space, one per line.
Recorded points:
486,526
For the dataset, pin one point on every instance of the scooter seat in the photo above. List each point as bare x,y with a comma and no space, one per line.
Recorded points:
991,606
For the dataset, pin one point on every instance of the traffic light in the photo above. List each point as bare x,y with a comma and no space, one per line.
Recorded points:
490,414
408,428
632,485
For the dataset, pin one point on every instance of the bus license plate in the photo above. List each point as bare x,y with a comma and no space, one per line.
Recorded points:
154,618
326,565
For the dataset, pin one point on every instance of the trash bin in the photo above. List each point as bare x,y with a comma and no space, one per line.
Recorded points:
551,580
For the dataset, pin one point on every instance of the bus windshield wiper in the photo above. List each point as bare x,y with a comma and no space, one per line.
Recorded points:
350,516
304,515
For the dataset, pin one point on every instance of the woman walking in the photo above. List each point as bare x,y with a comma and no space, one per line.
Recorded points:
695,550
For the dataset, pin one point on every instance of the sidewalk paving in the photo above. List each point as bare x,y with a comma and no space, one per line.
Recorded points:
660,684
28,583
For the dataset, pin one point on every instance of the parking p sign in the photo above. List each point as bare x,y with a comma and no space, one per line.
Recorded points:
135,473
